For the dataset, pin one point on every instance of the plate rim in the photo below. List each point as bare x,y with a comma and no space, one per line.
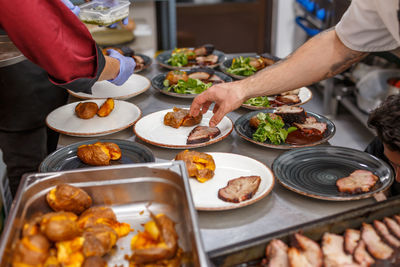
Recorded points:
336,198
162,64
247,202
74,94
210,142
288,146
97,134
57,151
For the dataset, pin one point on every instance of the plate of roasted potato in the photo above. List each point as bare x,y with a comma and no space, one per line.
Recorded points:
95,117
96,153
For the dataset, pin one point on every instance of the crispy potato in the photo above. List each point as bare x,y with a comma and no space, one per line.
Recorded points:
66,197
31,250
115,151
254,122
106,108
59,226
180,117
94,261
32,227
94,154
174,76
69,253
90,216
99,240
86,110
199,165
52,260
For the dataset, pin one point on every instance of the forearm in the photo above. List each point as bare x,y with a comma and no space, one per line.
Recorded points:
111,69
320,58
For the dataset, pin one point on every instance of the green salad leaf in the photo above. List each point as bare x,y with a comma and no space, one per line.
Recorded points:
271,128
241,66
259,101
179,57
191,86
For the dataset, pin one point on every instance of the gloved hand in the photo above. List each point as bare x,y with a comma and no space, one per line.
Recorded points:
126,67
72,7
114,25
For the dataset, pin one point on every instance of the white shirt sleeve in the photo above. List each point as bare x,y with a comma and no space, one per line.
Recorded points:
363,27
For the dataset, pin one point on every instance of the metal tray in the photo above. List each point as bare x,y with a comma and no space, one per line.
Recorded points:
127,189
251,252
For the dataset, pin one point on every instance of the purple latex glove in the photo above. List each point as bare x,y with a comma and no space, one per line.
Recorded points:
126,67
72,7
114,25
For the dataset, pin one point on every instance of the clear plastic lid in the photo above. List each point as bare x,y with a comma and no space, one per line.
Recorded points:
104,12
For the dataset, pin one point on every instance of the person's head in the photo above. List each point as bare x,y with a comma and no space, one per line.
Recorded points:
386,121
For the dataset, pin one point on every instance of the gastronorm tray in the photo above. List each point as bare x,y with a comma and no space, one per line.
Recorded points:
130,190
251,252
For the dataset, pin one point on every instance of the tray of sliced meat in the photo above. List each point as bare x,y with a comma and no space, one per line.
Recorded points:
368,236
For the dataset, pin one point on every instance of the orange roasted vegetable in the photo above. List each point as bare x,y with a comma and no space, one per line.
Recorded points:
60,226
106,108
31,251
199,165
175,75
180,117
66,197
99,154
86,110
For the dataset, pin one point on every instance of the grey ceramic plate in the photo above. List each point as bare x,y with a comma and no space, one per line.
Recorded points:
66,159
157,83
313,171
163,57
244,130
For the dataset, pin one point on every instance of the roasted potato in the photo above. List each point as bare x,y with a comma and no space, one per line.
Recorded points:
32,227
69,253
60,226
106,108
254,122
94,261
86,110
32,250
114,150
99,154
66,197
99,240
199,165
175,75
180,117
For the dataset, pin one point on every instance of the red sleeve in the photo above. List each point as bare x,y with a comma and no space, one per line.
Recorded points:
51,36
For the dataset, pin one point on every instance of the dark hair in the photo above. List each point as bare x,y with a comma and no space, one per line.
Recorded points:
386,121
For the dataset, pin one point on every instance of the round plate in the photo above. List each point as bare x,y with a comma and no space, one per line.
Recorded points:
64,120
313,171
244,130
230,166
157,83
163,57
135,85
305,95
66,159
151,129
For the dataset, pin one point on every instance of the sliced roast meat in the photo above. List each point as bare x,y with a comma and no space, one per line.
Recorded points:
292,92
257,63
362,256
216,79
288,99
291,114
359,181
334,255
393,226
297,258
204,50
201,134
351,239
310,249
240,189
276,253
311,126
376,247
383,231
208,60
201,75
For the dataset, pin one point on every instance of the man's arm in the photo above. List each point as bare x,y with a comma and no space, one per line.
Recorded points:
321,57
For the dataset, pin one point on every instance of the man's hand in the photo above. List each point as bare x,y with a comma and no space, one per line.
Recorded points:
126,67
227,97
72,7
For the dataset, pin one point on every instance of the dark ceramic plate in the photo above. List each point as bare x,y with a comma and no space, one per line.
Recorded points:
147,62
244,130
163,57
157,83
313,171
226,64
66,159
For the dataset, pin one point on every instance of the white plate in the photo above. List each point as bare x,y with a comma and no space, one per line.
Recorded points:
64,120
230,166
135,85
305,95
152,130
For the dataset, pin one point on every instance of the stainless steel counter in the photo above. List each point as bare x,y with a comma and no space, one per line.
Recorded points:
279,210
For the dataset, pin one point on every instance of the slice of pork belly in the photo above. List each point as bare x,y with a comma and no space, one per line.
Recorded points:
288,99
201,134
292,92
276,253
208,60
334,255
376,247
291,114
240,189
201,75
311,125
310,249
362,256
383,231
351,238
393,226
297,258
359,181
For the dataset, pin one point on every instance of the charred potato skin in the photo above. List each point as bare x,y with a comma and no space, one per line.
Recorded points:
31,250
86,110
106,108
60,226
90,216
94,155
99,240
66,197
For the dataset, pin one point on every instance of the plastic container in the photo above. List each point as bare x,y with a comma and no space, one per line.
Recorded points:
104,12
